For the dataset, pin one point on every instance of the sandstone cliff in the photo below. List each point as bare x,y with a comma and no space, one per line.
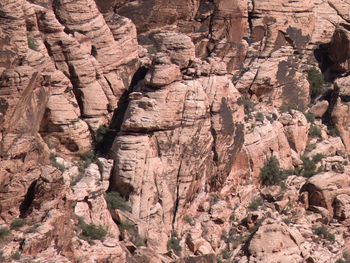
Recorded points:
174,131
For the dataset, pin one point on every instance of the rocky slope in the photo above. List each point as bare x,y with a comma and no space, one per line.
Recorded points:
174,131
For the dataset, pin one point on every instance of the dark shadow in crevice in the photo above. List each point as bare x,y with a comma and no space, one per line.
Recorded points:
104,146
24,208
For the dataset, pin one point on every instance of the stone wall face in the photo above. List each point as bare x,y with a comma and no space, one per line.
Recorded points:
154,120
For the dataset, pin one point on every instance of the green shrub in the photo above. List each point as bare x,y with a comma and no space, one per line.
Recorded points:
4,233
259,117
318,157
226,254
116,201
16,255
86,159
214,199
255,204
91,232
316,82
56,164
32,44
100,134
270,173
233,217
133,232
310,117
248,105
284,108
333,132
174,243
189,220
310,165
345,258
323,232
287,221
17,223
315,132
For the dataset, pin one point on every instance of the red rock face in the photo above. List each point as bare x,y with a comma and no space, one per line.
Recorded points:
174,108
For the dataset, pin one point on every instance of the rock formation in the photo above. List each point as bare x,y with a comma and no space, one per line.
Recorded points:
174,131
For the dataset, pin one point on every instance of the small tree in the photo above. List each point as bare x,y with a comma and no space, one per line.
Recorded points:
4,233
270,173
17,223
316,82
323,232
91,232
259,117
116,201
32,44
174,243
315,132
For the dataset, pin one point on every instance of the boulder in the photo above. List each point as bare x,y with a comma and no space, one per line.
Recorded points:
275,242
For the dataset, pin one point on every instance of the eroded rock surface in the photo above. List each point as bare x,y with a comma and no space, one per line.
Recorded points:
138,130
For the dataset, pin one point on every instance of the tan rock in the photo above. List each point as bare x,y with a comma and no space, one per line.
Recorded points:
296,129
162,74
264,141
275,242
323,188
342,207
320,108
178,46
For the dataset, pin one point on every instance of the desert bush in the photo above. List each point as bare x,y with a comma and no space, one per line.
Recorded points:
259,117
310,165
226,254
270,173
310,117
17,223
32,44
56,164
248,105
100,134
116,201
91,232
333,132
4,233
323,232
255,204
345,258
315,132
316,82
174,243
16,255
189,220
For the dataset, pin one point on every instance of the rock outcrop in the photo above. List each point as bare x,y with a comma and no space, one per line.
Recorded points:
138,130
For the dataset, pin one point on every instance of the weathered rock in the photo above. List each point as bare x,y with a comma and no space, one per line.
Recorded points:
332,146
296,129
275,242
319,109
162,75
184,117
325,187
265,141
342,207
339,49
179,47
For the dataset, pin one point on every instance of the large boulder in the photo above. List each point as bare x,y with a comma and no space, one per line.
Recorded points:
275,242
324,188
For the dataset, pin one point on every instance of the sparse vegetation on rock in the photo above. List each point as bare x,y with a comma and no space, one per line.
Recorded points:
323,232
116,201
270,173
91,232
316,82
